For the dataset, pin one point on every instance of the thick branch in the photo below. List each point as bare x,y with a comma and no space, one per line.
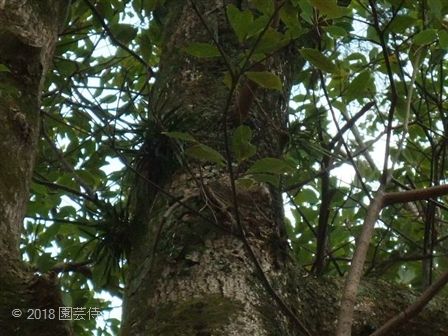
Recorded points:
348,300
415,195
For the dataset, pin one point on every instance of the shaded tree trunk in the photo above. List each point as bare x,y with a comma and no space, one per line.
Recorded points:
28,33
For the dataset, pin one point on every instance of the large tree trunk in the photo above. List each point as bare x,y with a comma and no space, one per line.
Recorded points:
28,33
193,274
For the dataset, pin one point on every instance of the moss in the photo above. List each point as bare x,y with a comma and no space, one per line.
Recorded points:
197,316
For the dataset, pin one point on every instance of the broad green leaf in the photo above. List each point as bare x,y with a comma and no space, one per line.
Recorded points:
357,87
258,26
329,8
306,11
272,166
4,68
241,21
306,195
401,22
435,7
267,178
271,41
443,39
108,99
180,136
45,262
49,234
227,80
88,177
316,58
65,212
200,49
124,32
265,79
241,146
336,31
205,153
426,36
266,7
245,182
406,275
289,16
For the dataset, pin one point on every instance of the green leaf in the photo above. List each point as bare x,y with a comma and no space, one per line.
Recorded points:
402,22
266,7
329,8
241,146
258,25
267,178
88,177
241,21
316,58
205,153
435,8
180,136
109,99
265,79
200,49
426,36
289,16
245,182
48,235
306,195
357,87
124,32
272,166
336,31
45,262
66,212
4,68
271,41
443,39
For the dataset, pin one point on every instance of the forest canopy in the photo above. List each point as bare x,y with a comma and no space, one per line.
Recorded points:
360,141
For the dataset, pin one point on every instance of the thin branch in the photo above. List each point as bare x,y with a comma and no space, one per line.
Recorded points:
350,123
394,96
79,267
117,42
404,133
53,185
69,167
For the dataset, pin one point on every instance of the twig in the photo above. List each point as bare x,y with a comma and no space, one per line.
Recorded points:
350,123
69,168
117,42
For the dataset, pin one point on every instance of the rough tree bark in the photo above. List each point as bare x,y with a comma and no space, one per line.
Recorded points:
194,275
28,33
